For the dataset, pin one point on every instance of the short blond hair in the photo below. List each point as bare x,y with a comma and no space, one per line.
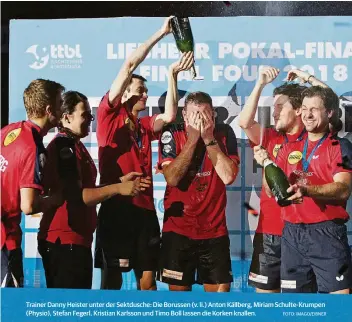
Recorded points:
38,95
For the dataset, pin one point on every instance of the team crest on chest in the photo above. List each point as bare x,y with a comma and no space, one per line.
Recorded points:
276,149
12,136
294,157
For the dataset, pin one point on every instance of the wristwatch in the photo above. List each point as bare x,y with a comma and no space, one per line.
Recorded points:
212,142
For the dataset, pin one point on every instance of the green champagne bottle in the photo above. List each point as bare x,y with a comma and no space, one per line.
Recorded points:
181,28
277,182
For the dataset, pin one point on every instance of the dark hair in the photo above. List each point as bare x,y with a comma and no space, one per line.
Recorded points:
138,77
39,94
71,99
336,124
328,96
135,76
294,93
198,98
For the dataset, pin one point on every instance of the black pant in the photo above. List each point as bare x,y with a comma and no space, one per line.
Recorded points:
66,265
186,261
11,267
128,237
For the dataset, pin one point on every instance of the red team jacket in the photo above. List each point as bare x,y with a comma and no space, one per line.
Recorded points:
270,220
333,155
22,160
121,151
196,207
73,222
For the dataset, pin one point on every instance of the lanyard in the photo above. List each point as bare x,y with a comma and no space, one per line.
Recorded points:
137,139
137,135
305,161
298,139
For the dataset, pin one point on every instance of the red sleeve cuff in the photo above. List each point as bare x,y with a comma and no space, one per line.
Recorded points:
107,105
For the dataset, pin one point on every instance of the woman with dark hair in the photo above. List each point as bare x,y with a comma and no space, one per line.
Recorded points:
66,233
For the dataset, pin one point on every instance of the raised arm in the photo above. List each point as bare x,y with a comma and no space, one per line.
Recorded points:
246,117
260,155
175,170
225,167
305,78
123,78
171,103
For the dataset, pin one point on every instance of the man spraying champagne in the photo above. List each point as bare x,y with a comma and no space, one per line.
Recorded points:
314,244
288,127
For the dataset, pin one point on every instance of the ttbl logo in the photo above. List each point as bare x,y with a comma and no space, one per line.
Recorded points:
43,54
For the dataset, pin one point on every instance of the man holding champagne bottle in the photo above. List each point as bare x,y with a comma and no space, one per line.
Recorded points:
198,159
314,244
128,233
266,260
181,28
